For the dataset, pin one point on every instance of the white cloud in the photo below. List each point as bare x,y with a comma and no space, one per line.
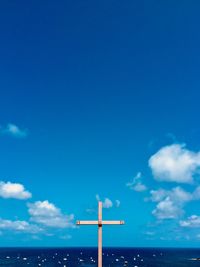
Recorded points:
175,163
19,226
192,222
46,213
43,208
136,183
167,209
14,130
13,190
170,202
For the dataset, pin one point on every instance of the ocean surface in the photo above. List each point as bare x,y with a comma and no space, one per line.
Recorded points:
87,257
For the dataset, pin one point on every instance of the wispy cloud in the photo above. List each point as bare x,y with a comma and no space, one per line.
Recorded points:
90,210
19,226
66,237
175,163
97,197
47,214
13,190
13,130
177,194
136,184
191,222
149,233
117,203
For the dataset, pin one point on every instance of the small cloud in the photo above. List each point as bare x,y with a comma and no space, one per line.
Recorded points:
90,210
107,203
66,237
47,214
158,195
117,203
175,163
149,233
97,197
36,237
136,183
13,190
198,236
14,130
139,187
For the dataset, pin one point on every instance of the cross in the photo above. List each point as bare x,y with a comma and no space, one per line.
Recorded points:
100,223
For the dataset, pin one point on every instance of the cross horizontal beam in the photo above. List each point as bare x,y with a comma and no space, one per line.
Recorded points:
99,222
87,222
112,222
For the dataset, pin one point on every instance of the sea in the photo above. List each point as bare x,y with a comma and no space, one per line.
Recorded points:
87,257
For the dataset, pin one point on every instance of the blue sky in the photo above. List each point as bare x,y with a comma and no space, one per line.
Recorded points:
99,98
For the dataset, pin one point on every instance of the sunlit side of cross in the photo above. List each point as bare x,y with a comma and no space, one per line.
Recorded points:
100,223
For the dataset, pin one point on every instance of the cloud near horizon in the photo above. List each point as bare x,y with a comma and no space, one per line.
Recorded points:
47,214
167,209
19,226
13,190
191,222
175,163
43,214
171,202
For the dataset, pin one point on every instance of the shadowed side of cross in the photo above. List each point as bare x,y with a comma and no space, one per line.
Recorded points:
100,223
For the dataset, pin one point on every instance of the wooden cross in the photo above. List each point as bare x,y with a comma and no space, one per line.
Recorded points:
100,223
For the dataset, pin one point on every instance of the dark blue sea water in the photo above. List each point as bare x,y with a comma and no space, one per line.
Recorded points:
87,257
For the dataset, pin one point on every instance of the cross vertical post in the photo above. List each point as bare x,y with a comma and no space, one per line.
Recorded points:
99,223
100,234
